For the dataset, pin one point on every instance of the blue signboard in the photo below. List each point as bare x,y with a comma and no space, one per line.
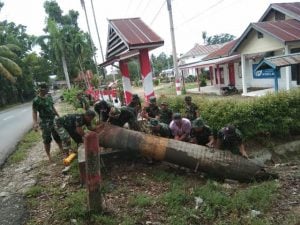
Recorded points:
264,74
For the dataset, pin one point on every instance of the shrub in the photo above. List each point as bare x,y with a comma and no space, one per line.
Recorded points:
156,82
275,114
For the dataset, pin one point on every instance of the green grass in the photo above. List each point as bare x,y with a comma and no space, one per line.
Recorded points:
140,200
103,220
219,203
29,140
73,206
34,191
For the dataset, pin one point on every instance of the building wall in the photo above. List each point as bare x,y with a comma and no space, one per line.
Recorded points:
253,44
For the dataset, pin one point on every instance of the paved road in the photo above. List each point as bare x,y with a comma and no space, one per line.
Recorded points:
14,123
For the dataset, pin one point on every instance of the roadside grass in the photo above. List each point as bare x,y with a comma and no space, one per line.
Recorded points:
172,201
140,201
29,140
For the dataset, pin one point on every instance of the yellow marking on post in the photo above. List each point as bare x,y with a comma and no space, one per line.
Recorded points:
154,147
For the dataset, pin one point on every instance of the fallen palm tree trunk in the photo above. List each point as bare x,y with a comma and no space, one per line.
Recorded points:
214,162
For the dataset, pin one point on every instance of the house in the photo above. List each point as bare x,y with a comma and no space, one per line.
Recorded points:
276,34
194,55
224,69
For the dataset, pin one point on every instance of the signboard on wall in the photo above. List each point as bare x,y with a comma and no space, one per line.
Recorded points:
264,74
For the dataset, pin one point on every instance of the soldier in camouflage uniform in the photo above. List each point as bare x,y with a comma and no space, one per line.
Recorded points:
71,126
165,114
152,110
201,134
103,108
191,110
125,114
43,106
135,104
230,138
82,101
159,129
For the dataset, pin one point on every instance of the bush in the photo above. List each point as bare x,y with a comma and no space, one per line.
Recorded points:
70,95
203,81
190,78
156,82
274,114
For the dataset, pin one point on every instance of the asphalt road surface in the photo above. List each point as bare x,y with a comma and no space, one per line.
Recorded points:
14,123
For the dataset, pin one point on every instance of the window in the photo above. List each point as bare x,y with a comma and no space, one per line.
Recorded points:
260,35
279,16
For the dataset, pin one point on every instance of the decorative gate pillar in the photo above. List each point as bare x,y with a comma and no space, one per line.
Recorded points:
126,81
146,74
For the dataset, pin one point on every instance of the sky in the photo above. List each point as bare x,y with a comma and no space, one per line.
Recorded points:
190,17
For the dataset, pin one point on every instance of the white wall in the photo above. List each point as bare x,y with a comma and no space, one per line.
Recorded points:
253,45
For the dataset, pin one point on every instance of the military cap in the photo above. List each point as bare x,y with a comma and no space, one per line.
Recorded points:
114,112
176,116
153,122
152,99
187,98
198,123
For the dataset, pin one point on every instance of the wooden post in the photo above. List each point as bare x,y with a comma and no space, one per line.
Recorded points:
93,175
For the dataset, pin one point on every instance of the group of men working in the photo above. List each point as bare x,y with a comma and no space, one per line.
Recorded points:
61,129
160,119
163,122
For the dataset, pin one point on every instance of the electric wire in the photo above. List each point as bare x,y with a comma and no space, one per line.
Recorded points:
201,13
156,15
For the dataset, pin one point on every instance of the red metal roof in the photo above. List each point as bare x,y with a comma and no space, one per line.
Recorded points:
222,52
125,35
201,50
135,32
284,30
291,9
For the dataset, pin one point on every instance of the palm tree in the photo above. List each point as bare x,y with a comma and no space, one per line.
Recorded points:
58,44
8,68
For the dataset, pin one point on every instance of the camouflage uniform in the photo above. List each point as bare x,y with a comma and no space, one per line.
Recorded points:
230,141
44,106
191,111
83,103
165,116
202,138
152,110
164,130
126,115
66,128
159,129
103,108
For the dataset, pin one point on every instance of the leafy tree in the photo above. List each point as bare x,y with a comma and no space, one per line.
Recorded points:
219,39
8,68
65,40
161,62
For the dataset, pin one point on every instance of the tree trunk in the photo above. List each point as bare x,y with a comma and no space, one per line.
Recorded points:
217,163
65,68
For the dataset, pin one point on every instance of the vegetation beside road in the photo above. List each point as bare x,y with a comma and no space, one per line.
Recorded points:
28,141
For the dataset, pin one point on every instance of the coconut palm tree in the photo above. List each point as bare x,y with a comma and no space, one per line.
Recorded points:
8,68
58,44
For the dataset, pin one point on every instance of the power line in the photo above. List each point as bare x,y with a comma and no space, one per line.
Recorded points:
139,5
145,6
128,7
201,13
164,2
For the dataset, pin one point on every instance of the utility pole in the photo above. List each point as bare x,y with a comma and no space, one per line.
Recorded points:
95,21
177,77
89,30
